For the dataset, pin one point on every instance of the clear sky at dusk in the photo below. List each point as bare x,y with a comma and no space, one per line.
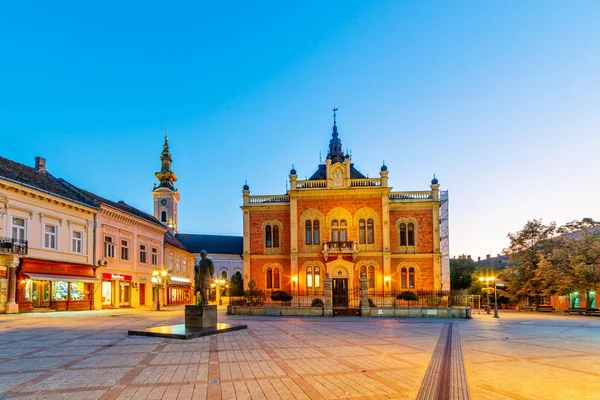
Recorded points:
500,99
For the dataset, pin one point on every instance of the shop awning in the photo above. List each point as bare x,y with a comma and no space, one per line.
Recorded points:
62,278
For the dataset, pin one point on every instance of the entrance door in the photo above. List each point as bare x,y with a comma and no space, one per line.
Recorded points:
340,296
124,294
40,294
142,294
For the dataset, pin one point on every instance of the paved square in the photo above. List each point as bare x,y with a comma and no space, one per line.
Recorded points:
88,355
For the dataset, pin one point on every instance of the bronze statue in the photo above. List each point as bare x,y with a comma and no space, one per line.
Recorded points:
203,274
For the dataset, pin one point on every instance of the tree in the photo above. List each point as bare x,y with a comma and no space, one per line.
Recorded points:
528,248
461,272
236,285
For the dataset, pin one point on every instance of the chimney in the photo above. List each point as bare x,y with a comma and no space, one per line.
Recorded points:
487,256
40,164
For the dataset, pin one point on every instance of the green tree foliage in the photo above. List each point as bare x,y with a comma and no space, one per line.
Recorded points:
554,260
253,296
461,272
236,285
281,295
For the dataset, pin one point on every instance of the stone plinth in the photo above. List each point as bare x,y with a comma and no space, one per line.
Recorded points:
200,316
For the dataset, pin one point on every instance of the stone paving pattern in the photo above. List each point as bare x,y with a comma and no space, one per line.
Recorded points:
88,355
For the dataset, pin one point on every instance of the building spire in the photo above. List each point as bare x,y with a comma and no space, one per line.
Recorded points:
166,176
335,144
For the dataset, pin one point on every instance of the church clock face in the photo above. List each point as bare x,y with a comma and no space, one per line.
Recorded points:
163,202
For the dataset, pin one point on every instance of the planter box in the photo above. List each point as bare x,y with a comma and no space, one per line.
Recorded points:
372,312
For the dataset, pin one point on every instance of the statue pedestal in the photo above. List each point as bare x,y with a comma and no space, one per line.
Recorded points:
200,316
199,321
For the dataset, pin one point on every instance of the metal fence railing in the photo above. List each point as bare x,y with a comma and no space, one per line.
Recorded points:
424,299
263,298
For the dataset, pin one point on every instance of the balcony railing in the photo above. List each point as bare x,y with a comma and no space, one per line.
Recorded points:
421,195
13,246
365,182
269,199
347,247
311,184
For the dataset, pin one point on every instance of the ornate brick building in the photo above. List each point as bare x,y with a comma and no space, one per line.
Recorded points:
340,222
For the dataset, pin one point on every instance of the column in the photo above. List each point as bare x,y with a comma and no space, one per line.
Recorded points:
328,308
12,306
365,310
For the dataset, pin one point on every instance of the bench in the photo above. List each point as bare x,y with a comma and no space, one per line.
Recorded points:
527,308
592,311
545,308
579,311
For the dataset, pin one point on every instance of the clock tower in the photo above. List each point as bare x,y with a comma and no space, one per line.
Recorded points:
166,197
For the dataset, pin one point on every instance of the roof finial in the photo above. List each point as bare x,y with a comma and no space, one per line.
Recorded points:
320,160
166,134
334,114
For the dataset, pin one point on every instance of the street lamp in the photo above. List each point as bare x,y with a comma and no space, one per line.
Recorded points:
159,276
487,281
294,280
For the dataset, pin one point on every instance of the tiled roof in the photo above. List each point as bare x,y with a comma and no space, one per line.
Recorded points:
213,244
42,181
321,173
122,206
173,241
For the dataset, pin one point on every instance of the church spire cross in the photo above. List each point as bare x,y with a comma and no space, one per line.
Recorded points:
334,114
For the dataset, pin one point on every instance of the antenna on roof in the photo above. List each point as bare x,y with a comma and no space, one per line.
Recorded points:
320,158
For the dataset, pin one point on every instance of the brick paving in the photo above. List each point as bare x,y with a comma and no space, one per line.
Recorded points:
88,355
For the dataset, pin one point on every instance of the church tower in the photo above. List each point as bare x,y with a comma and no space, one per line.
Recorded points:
166,197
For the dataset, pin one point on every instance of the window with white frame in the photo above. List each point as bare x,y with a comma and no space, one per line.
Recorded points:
109,247
50,236
142,254
154,256
77,242
125,250
18,228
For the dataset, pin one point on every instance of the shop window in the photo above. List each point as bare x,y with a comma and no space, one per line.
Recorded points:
60,290
79,291
18,228
124,250
154,256
109,247
77,242
50,236
142,254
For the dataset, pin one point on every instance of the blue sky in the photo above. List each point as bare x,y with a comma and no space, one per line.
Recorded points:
499,99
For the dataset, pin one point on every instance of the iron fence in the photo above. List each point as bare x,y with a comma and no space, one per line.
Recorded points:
422,299
263,298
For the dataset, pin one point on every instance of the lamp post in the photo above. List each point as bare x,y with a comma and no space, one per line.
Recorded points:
487,281
218,284
159,276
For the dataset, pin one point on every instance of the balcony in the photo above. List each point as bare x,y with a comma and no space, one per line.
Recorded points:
13,246
340,248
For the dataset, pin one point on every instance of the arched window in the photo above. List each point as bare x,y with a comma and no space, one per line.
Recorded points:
343,231
335,231
308,229
163,216
316,233
361,231
275,236
269,278
370,234
411,234
411,277
371,276
402,234
317,277
276,278
309,278
268,236
403,280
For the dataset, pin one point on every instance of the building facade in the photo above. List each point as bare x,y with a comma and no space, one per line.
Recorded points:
46,241
341,223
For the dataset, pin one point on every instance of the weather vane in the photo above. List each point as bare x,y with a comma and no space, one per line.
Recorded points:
334,114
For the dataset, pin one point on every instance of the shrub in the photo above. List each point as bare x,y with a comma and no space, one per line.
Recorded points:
433,301
237,302
408,296
317,303
253,296
372,303
281,295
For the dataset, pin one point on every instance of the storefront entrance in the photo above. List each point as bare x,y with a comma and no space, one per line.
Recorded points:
40,294
142,294
107,299
125,294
